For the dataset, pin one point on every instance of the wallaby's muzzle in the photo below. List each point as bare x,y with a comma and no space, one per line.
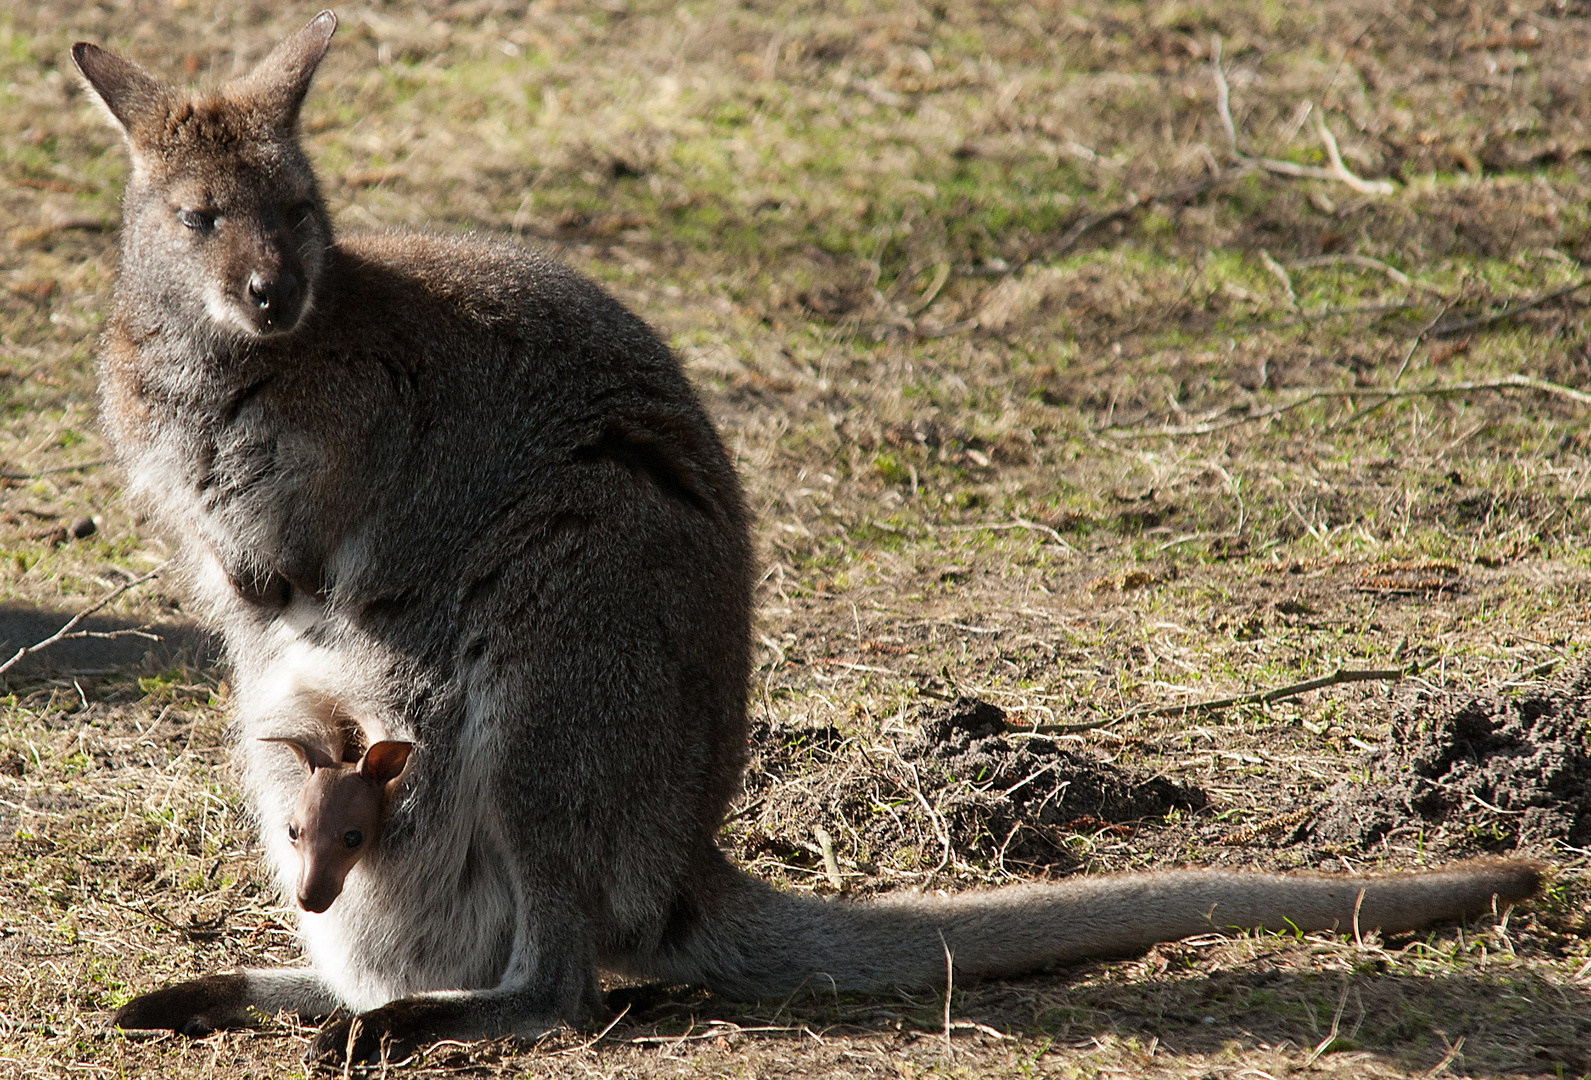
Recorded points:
275,301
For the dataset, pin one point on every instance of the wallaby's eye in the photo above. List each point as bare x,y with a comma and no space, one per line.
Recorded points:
197,220
353,838
292,833
299,213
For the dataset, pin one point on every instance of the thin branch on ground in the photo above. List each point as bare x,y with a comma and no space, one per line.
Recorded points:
1175,196
1340,677
599,1036
1019,523
1511,382
1279,272
1331,1036
1459,326
66,632
1182,193
1223,98
1415,344
950,982
1304,316
55,471
1392,273
831,865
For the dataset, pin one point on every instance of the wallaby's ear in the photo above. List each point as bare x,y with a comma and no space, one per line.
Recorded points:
385,761
128,93
312,757
281,80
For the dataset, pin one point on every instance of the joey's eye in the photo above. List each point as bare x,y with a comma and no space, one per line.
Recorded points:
299,213
353,838
292,833
198,220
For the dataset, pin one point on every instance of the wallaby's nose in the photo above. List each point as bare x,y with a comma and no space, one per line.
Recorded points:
276,296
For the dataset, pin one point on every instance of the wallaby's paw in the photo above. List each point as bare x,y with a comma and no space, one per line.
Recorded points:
193,1008
389,1034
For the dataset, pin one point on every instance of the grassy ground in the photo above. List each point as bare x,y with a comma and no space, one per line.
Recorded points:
1039,396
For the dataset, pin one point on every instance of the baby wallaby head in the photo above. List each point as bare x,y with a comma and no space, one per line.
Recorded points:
222,219
338,817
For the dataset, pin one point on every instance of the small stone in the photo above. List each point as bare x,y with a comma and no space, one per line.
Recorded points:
84,527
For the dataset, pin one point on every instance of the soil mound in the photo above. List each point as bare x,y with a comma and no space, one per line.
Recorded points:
1475,771
966,788
1019,780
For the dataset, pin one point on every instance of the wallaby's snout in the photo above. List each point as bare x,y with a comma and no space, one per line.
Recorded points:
266,293
275,297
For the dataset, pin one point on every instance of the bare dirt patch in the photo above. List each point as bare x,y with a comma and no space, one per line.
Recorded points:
994,798
1466,771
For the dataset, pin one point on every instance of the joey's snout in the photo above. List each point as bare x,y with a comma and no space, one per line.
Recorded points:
316,893
325,858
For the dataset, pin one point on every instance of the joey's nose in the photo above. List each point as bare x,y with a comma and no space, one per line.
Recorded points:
315,901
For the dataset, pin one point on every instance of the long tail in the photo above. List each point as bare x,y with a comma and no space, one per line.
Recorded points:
748,940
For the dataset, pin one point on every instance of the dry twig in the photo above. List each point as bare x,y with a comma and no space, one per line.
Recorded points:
831,865
1519,381
1281,693
66,633
1336,170
950,982
1392,273
80,466
1259,697
1459,326
1331,1036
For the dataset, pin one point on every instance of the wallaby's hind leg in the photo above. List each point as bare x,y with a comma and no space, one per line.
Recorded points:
200,1006
556,988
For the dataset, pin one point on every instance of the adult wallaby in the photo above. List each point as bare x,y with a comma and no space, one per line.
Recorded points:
450,485
339,814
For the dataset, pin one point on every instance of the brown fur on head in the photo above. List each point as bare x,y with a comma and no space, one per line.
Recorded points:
340,810
222,200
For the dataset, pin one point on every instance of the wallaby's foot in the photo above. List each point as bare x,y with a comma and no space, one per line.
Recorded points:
639,1000
391,1033
339,1042
192,1008
396,1030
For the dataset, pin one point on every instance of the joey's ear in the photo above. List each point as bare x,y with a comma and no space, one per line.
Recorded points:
281,80
129,94
312,757
385,761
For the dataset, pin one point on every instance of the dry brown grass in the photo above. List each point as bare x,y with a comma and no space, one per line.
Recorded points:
1068,473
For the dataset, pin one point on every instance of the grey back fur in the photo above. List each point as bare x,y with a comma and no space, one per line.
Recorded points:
443,490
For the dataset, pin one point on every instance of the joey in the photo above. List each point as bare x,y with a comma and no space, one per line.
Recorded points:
339,813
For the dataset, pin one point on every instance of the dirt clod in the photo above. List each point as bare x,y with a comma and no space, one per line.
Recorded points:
1476,771
965,788
1019,794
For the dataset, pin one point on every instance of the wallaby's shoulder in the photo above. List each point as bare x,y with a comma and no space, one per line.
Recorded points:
490,283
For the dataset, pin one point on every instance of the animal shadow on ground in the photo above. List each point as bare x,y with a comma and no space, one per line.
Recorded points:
109,643
1511,1022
